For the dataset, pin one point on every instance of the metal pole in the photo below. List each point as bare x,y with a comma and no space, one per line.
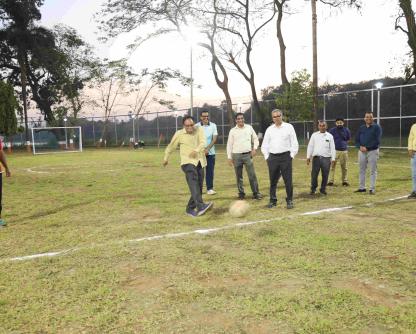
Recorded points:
66,137
134,135
138,128
115,128
324,108
348,107
192,87
157,125
93,129
378,106
372,100
223,126
400,119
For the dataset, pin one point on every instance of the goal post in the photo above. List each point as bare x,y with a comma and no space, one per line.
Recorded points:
63,139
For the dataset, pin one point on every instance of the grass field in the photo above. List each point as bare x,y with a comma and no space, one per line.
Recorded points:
349,271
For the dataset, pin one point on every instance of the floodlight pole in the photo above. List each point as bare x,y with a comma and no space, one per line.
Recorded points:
192,86
176,121
66,135
134,132
378,86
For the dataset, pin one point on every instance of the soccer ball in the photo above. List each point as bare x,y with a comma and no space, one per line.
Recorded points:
239,209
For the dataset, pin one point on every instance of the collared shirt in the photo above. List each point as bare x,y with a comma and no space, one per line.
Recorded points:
188,143
411,143
341,137
279,139
368,136
241,140
321,145
210,131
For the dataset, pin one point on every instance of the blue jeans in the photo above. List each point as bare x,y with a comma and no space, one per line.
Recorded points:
413,164
209,170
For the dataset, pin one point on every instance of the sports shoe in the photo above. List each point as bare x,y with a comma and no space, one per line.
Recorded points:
191,212
241,196
271,205
2,223
360,190
289,204
257,196
345,184
323,192
330,184
204,208
412,195
312,192
372,192
211,192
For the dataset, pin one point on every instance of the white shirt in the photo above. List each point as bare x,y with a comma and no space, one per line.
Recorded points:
241,140
279,139
322,145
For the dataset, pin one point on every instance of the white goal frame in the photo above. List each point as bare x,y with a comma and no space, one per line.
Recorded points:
57,127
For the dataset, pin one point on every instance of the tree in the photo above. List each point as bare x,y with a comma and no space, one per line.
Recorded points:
297,98
16,36
242,23
8,108
408,15
280,6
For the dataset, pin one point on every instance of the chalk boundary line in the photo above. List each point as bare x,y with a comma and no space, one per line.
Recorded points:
198,231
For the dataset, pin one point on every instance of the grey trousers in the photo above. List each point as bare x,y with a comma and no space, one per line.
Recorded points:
320,164
239,160
365,160
194,177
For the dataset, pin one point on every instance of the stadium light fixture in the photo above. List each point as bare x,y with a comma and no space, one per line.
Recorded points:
378,85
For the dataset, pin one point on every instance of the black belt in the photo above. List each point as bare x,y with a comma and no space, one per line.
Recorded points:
246,152
279,154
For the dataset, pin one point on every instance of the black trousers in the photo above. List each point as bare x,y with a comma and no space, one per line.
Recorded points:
323,165
194,178
280,165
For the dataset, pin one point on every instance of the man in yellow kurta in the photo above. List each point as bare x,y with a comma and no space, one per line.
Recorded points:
192,143
411,146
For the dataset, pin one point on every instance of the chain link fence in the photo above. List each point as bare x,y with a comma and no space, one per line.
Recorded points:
393,107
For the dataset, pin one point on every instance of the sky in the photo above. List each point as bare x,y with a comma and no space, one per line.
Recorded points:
352,46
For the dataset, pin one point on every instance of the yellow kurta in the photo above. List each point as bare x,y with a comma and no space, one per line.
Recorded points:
188,143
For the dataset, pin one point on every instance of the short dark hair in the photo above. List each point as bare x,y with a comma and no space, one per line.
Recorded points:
204,111
238,114
339,119
186,118
368,112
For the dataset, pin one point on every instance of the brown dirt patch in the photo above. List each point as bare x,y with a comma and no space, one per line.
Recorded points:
376,292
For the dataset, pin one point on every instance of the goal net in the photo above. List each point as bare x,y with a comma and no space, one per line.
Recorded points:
56,140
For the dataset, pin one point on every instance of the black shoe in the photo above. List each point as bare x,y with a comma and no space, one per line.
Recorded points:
323,192
289,205
345,184
257,196
372,192
191,212
312,192
204,208
330,184
412,195
271,205
360,190
241,196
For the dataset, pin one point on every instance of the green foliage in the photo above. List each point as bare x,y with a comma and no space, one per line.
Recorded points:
297,99
8,107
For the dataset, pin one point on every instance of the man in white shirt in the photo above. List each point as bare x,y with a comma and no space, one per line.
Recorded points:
279,147
241,148
211,135
321,150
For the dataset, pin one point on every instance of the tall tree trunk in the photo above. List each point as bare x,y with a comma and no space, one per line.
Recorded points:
315,66
282,46
406,6
23,78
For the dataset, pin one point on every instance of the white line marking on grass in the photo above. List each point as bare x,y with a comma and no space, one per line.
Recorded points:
200,231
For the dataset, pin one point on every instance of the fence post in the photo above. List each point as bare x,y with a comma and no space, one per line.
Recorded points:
400,119
223,125
93,130
115,128
348,107
324,108
157,127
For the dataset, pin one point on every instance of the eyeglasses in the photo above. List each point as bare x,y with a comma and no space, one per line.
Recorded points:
239,118
276,116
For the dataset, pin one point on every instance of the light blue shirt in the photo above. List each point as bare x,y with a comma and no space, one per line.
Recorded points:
210,131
